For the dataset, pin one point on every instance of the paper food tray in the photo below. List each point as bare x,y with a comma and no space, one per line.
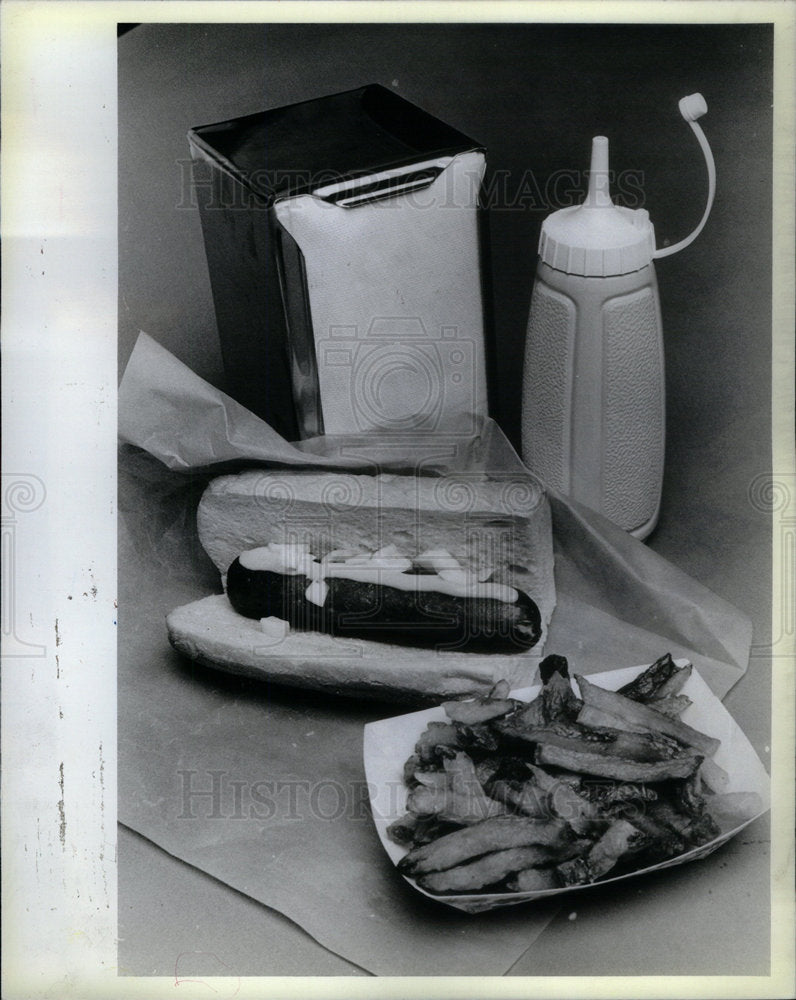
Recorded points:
388,744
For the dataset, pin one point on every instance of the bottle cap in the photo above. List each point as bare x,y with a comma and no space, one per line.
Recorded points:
597,238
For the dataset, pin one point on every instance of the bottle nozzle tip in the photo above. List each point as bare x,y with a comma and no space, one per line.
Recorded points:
599,195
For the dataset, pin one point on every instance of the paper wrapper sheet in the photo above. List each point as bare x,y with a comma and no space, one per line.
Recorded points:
263,787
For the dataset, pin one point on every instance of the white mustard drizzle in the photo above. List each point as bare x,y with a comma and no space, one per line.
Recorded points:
384,568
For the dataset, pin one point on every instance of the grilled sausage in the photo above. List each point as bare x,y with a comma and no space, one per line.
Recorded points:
407,615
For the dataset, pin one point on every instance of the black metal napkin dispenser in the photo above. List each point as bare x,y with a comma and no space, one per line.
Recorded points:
345,248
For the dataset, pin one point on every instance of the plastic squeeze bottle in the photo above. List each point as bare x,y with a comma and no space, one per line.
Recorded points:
593,408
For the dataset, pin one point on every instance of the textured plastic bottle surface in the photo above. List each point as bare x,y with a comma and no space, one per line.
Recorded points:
593,392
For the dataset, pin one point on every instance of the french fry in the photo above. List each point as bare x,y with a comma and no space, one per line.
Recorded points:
478,710
674,684
566,802
412,829
694,830
603,740
614,793
501,690
649,681
597,718
463,781
556,700
714,776
435,735
672,705
619,840
402,830
460,773
411,766
553,664
636,717
498,833
617,768
485,871
662,841
477,738
526,797
688,796
454,807
431,779
534,880
526,718
559,701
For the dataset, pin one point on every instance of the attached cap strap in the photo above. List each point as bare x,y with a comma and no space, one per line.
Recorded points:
691,108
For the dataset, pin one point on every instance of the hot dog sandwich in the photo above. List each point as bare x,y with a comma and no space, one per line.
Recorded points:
380,584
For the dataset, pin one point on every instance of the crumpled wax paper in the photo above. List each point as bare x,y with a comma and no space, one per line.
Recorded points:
262,786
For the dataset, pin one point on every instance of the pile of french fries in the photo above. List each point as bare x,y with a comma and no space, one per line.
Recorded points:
564,790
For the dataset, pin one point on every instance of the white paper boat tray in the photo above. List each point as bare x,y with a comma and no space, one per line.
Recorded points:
390,742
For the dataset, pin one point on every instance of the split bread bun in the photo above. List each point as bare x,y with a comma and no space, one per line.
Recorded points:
493,528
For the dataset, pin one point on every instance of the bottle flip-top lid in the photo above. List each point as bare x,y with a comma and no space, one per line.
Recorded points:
597,237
